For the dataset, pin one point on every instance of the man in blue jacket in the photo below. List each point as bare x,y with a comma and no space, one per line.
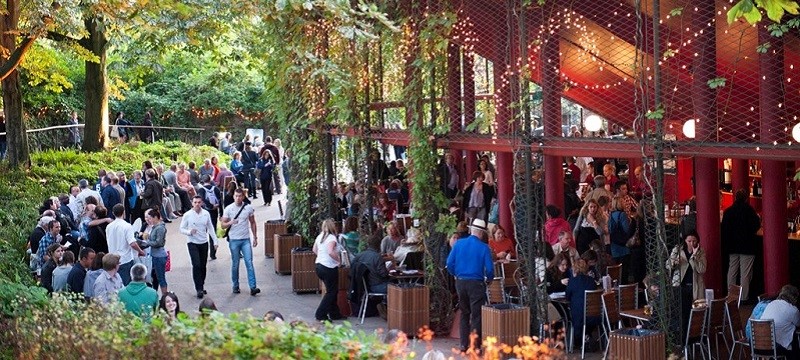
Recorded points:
470,262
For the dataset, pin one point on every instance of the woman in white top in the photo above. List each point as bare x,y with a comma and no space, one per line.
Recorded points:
326,246
488,178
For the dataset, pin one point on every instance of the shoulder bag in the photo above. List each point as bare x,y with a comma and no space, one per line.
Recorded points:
228,230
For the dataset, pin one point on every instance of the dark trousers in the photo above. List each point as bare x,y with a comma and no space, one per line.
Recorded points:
186,203
214,215
328,307
198,253
626,268
124,272
250,182
471,296
266,190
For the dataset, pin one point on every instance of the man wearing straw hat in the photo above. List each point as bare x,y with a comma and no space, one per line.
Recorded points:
470,262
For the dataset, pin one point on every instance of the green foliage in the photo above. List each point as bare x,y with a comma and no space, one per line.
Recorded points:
113,333
656,114
762,48
750,10
716,83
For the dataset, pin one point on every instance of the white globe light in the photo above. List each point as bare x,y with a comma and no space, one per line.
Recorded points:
688,128
593,123
796,132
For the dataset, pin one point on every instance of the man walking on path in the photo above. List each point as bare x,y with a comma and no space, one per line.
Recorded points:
470,262
739,225
211,196
239,219
121,242
198,227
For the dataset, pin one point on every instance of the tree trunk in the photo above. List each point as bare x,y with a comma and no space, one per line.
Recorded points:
96,97
18,153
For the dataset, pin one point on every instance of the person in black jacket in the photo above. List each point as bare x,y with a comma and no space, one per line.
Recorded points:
738,234
249,160
478,197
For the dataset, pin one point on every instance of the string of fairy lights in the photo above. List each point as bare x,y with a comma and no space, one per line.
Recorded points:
595,45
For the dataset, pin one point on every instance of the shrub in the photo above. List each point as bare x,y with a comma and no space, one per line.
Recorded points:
65,327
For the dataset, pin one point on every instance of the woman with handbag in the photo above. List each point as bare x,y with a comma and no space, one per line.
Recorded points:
327,248
156,240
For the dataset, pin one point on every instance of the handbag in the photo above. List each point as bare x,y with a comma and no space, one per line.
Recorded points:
168,265
228,230
115,130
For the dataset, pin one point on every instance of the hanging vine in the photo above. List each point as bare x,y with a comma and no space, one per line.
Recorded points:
423,46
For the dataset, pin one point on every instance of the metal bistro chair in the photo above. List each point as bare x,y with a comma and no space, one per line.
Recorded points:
615,272
613,320
715,323
735,293
629,296
494,292
592,308
695,331
734,325
365,299
762,342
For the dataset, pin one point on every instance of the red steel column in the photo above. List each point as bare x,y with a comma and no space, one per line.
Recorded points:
504,83
740,171
468,71
773,174
551,117
706,174
454,100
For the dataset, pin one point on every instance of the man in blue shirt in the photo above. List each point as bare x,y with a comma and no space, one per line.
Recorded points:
470,262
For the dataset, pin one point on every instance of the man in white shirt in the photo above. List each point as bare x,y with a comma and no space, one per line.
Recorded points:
73,204
121,242
197,226
239,219
85,192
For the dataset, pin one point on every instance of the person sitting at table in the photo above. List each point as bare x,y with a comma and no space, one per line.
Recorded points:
461,232
687,263
564,246
558,274
501,245
391,242
377,275
590,256
784,312
576,294
413,243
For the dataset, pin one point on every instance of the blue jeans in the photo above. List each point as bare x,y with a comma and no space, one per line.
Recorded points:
124,272
160,266
3,149
242,248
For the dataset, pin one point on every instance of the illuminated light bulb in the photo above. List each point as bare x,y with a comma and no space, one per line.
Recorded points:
796,132
593,123
689,128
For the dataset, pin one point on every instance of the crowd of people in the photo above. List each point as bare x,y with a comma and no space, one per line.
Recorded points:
105,239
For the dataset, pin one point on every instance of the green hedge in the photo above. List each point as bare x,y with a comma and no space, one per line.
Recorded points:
66,329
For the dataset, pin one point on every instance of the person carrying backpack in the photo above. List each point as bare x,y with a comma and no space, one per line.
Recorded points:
211,201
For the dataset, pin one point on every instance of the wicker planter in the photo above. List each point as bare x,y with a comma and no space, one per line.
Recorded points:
408,307
304,277
283,245
506,322
271,228
632,343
